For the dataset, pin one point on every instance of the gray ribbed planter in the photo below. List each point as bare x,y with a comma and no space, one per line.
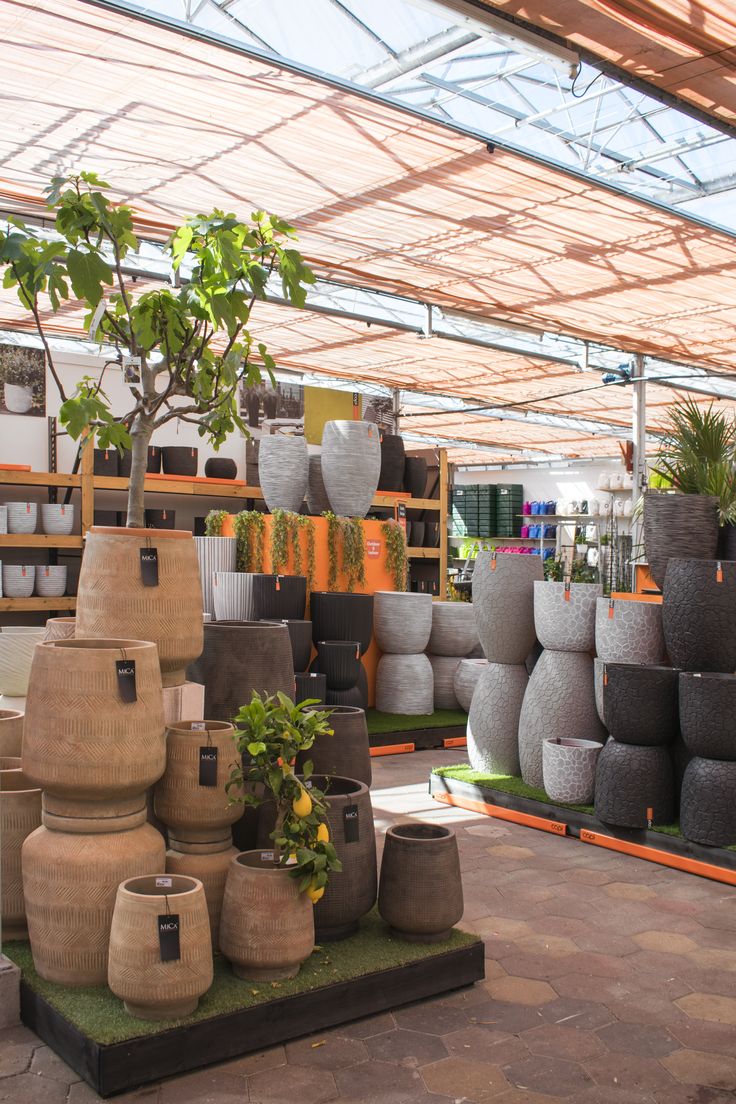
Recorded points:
405,684
493,721
214,554
503,600
351,464
467,673
454,632
568,767
698,615
317,501
402,622
232,595
559,701
566,624
628,631
443,669
682,526
283,471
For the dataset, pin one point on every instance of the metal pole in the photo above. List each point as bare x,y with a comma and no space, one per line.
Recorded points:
639,436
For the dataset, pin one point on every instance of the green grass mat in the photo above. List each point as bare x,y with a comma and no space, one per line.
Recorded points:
379,723
101,1016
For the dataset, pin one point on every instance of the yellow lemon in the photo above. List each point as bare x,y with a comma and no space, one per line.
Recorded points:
323,834
313,893
302,805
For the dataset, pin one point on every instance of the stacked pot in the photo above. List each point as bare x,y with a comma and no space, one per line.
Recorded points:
402,624
454,636
20,814
342,630
626,631
350,466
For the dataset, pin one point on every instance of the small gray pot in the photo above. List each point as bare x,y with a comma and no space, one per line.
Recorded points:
402,622
283,471
351,465
564,615
232,595
405,684
454,632
214,554
568,767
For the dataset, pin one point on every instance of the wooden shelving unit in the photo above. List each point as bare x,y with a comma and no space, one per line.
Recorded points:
28,605
39,540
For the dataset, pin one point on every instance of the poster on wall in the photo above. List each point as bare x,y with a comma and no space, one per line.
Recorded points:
266,409
22,381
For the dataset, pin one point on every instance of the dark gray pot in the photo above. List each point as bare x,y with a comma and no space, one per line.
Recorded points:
346,750
630,780
678,527
238,658
707,805
640,703
707,712
417,858
699,615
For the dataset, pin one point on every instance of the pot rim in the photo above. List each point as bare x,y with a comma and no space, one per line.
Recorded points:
10,714
125,531
344,594
246,624
723,675
285,621
99,644
421,833
343,710
184,728
352,644
182,885
324,781
255,861
17,775
676,671
571,741
10,763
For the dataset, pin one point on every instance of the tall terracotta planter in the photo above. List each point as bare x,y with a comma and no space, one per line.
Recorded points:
351,893
11,732
213,554
493,720
420,895
20,814
678,526
238,658
699,600
60,628
283,471
112,600
195,812
153,989
346,753
454,631
351,465
503,600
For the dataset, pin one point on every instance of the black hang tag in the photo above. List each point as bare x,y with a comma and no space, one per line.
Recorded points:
351,823
126,679
168,936
208,765
149,566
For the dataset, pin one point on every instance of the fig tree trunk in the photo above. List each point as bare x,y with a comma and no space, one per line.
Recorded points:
141,432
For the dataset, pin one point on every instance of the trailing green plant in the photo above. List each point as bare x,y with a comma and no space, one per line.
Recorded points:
697,453
333,547
305,524
397,560
353,552
214,522
280,540
249,527
270,733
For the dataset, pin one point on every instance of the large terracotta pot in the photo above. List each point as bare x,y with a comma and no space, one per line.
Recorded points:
640,703
707,711
628,631
267,925
112,600
339,616
152,989
11,732
351,465
238,658
402,622
443,672
351,893
196,813
393,458
405,684
631,780
569,769
20,814
678,526
467,674
60,628
503,600
83,745
699,614
493,720
420,894
346,753
213,554
454,631
564,615
210,868
282,597
707,806
283,471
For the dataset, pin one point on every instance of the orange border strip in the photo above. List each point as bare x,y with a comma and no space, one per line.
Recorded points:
392,749
664,858
455,741
556,827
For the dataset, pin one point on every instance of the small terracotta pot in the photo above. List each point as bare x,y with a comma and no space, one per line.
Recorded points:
195,812
11,732
210,869
20,814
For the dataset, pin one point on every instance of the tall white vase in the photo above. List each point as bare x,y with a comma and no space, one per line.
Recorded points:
214,554
351,465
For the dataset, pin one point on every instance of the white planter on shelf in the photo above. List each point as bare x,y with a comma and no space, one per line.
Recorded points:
22,517
283,471
18,398
214,554
50,580
18,580
57,518
16,655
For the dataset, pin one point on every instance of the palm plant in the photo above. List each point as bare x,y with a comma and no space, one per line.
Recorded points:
697,454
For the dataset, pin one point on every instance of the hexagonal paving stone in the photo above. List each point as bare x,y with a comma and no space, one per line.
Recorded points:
502,1016
699,1067
208,1086
556,1041
16,1054
556,946
502,927
626,1071
704,1035
374,1082
509,851
330,1051
520,990
692,1094
258,1061
708,1006
46,1062
485,1044
537,966
31,1088
645,1040
308,1086
432,1017
568,1012
553,1076
603,990
459,1078
409,1048
630,891
645,1008
370,1025
666,941
717,958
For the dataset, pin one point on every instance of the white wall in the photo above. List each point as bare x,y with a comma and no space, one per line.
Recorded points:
571,484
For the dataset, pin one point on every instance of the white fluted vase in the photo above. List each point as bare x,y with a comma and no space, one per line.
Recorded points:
214,554
283,471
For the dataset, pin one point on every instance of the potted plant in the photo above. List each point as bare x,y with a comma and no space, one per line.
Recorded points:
23,377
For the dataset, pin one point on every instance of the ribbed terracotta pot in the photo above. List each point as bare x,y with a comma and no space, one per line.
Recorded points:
707,806
238,658
11,732
213,554
351,465
83,745
283,471
420,893
628,631
493,720
405,684
210,868
467,674
678,526
279,597
568,768
630,781
402,622
267,925
707,709
393,458
112,600
346,753
503,600
20,814
640,703
351,893
443,672
317,501
193,812
454,631
152,989
232,595
339,660
339,616
564,615
698,614
60,628
300,635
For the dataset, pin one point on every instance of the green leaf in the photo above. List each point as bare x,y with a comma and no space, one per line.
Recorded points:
88,273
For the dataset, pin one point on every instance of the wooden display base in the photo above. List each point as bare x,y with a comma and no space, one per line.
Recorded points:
715,863
417,739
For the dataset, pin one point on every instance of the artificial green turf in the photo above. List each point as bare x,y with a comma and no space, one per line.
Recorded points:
378,723
101,1016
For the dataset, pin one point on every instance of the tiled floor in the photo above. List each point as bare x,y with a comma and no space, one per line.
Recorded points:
609,981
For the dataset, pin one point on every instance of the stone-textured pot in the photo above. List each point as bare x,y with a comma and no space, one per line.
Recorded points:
707,711
629,781
564,616
11,733
351,464
493,720
393,458
628,631
420,893
415,476
153,464
257,892
210,868
351,893
20,814
310,685
220,467
152,989
568,767
339,660
405,684
196,813
112,600
454,632
57,518
238,658
707,806
232,594
678,526
443,670
699,614
213,554
22,517
402,623
300,635
346,753
559,701
279,597
467,674
283,471
503,600
60,628
338,616
16,656
640,703
317,501
598,670
179,460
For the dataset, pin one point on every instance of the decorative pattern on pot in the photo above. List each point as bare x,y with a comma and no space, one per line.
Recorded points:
16,656
564,615
50,580
402,622
631,780
22,517
317,501
114,601
179,460
351,893
232,594
568,767
443,671
454,631
493,720
145,972
210,868
503,601
59,628
283,472
346,753
220,467
57,518
699,614
467,674
190,797
339,660
640,703
707,711
598,669
310,684
300,635
20,814
18,580
351,465
214,554
279,597
559,701
420,893
11,734
707,806
393,459
678,526
627,631
415,476
405,684
238,658
339,616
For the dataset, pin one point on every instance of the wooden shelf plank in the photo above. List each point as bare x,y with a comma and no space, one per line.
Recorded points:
39,479
39,540
21,605
423,553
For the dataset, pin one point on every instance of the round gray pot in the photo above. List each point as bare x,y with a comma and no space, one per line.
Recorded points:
707,807
402,622
283,471
629,781
405,684
317,501
568,767
493,722
214,554
628,631
467,673
565,618
454,632
698,614
503,600
444,668
351,464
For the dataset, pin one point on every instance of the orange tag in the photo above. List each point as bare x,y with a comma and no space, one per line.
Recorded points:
357,651
370,430
719,572
650,817
106,454
567,590
23,572
610,610
493,561
278,582
28,507
605,677
163,515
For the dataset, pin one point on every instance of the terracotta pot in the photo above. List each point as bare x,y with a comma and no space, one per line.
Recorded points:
698,614
443,671
11,732
279,597
346,753
503,600
238,658
300,635
193,812
393,458
493,720
351,465
707,806
564,616
267,925
211,870
467,674
402,623
351,893
454,632
283,472
70,881
83,745
707,709
628,631
405,684
152,989
112,600
213,554
339,616
631,780
569,769
20,814
420,894
59,628
640,703
678,526
179,460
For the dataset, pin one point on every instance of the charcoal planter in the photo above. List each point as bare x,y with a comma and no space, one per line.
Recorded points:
631,780
391,477
339,660
493,720
628,631
640,703
418,860
454,631
106,462
415,476
339,616
347,752
503,601
310,684
415,534
564,615
351,464
238,658
283,471
568,767
279,597
699,614
678,527
300,634
350,893
179,460
402,622
220,467
707,805
356,697
153,464
707,712
431,534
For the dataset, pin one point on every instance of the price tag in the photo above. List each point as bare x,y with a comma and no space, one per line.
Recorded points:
199,726
267,856
567,590
650,817
168,936
493,561
278,583
351,823
149,567
610,609
208,765
719,572
125,669
164,883
357,651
